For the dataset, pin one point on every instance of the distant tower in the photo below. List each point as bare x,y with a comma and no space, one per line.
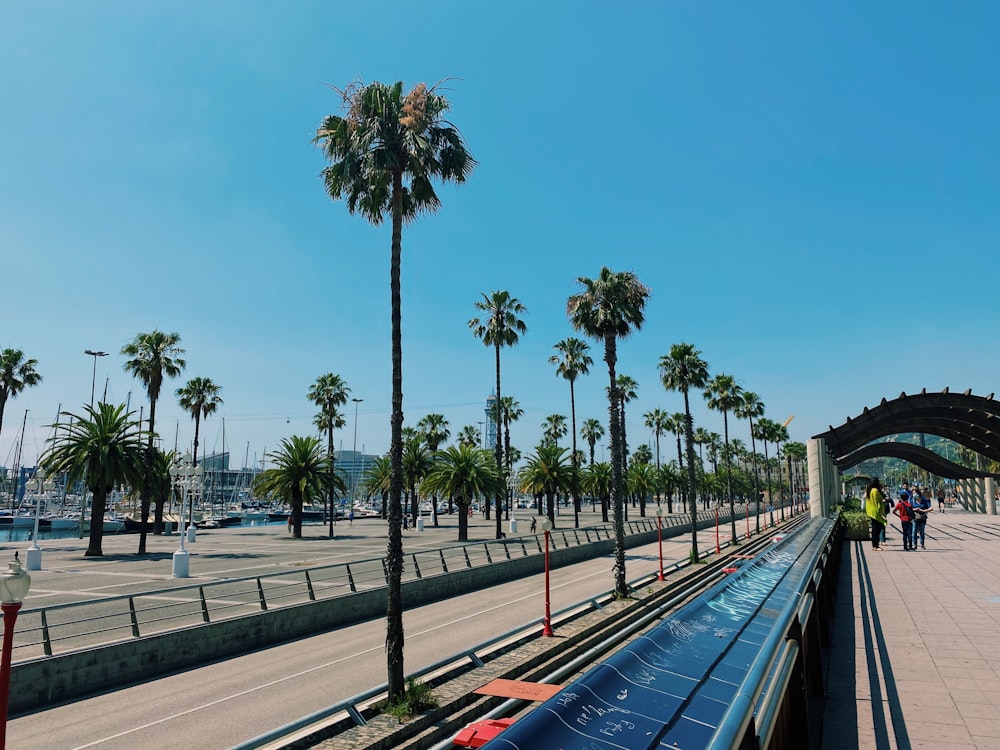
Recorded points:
490,439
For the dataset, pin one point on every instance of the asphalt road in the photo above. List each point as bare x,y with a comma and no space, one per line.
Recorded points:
221,704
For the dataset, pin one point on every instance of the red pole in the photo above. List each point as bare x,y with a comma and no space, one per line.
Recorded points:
547,629
718,550
9,618
659,538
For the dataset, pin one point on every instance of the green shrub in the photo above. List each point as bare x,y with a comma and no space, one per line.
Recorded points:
417,699
856,524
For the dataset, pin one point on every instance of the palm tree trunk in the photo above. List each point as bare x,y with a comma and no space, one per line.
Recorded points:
97,508
729,477
499,452
576,468
197,427
147,481
617,480
329,453
394,545
689,438
296,512
756,476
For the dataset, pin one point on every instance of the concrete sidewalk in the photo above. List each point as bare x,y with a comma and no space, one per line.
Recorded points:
915,661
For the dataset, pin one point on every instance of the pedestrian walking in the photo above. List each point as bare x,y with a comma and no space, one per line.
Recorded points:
289,524
534,523
350,518
940,499
875,510
904,510
921,507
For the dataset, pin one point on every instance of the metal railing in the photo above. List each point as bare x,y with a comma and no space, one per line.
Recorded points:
60,628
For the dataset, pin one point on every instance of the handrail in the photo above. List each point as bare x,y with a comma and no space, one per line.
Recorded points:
54,628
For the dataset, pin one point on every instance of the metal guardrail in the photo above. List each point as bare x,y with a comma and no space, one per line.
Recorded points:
60,628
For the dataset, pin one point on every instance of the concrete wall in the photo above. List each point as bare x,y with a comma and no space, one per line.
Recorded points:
39,682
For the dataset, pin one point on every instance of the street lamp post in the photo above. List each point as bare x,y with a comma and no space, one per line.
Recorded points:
14,585
659,539
93,378
546,530
354,451
185,477
718,549
33,554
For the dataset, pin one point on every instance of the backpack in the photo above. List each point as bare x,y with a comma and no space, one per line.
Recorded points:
905,510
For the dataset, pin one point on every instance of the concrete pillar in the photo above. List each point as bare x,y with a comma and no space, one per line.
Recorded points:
991,500
823,478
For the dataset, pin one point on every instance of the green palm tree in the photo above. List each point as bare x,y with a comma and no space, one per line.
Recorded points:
608,308
434,429
553,428
642,479
572,361
152,356
16,374
642,455
794,452
767,432
328,393
378,480
385,152
469,435
724,394
105,445
511,411
300,475
417,461
499,326
626,392
549,472
659,422
591,431
464,472
199,398
752,407
596,482
683,370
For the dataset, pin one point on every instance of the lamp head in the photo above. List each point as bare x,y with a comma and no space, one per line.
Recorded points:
14,583
546,524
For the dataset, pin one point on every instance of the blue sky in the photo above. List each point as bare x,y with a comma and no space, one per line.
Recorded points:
809,190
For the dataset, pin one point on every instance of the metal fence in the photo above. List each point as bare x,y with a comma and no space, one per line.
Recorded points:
48,630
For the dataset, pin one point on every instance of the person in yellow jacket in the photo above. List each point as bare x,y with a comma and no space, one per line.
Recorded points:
875,510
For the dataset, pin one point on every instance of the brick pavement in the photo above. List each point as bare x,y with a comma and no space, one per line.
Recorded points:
915,661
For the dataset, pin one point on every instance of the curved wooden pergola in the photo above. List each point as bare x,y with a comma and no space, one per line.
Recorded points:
972,421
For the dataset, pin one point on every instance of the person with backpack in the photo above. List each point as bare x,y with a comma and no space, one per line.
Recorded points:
921,507
904,510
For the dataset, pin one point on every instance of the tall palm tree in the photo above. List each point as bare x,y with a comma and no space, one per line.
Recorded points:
659,422
434,429
152,356
464,472
384,153
642,478
779,436
608,308
469,435
510,411
300,474
591,431
199,398
724,394
626,393
767,431
553,428
794,452
377,480
549,472
596,481
752,407
683,370
499,326
105,445
572,361
417,461
16,374
328,393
